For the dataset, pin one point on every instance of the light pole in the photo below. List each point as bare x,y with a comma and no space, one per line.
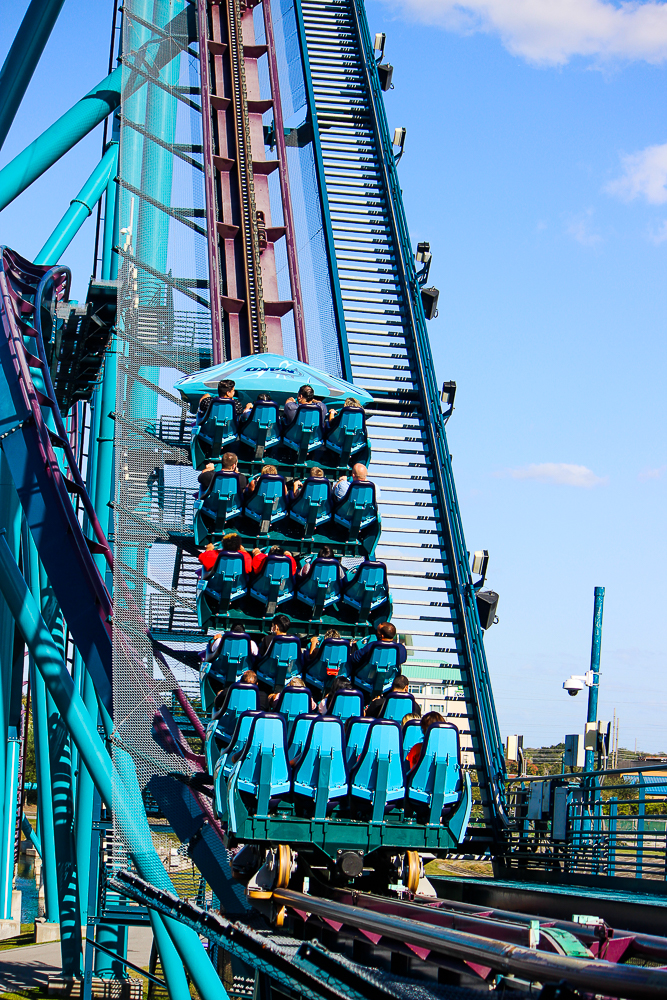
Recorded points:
589,764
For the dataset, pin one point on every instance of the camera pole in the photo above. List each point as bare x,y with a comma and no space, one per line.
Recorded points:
589,764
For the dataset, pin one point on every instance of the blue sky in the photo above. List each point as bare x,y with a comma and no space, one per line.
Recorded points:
535,163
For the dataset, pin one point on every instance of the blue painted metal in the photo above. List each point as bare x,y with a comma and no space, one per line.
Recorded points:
324,198
133,826
272,373
23,56
9,790
42,488
80,208
59,138
596,643
29,833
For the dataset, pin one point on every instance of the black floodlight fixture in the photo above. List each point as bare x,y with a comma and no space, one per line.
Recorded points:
430,301
385,73
487,605
447,396
379,44
399,140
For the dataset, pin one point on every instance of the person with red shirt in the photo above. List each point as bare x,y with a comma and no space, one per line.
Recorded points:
428,720
259,558
209,557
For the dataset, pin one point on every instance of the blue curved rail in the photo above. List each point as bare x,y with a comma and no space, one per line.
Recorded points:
43,488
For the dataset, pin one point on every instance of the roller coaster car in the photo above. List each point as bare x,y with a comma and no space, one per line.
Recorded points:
305,433
214,430
345,791
267,505
280,662
366,592
330,659
260,428
274,585
312,508
219,505
321,586
397,705
347,437
379,664
227,583
228,656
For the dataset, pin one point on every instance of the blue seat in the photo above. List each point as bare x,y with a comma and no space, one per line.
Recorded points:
412,734
210,682
348,435
312,508
267,504
377,674
435,781
293,701
229,656
262,772
358,509
261,429
377,777
305,433
281,661
238,698
367,592
331,659
347,704
321,586
213,432
300,733
356,737
397,705
219,505
214,743
274,585
320,773
227,583
237,742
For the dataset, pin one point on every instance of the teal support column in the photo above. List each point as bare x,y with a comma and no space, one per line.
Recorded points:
108,241
85,791
596,643
107,780
63,825
31,834
10,520
59,138
9,793
22,58
103,474
80,208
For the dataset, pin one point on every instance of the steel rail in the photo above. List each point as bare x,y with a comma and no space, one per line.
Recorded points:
629,982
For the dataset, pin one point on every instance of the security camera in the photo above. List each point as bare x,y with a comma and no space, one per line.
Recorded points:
573,685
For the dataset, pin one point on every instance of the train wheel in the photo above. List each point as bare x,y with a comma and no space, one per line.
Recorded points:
284,866
280,916
411,871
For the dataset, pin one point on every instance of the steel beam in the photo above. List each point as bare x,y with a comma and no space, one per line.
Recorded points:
60,137
22,58
80,208
109,783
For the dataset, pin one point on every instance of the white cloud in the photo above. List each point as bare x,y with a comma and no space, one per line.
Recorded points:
644,175
553,31
580,228
652,473
560,473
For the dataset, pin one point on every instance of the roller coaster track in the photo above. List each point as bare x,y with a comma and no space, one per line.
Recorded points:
31,429
438,931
